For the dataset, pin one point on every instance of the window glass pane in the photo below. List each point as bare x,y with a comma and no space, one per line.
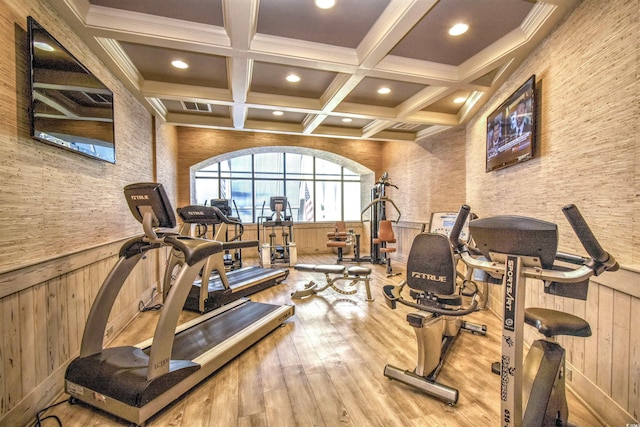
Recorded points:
352,201
239,167
206,189
299,166
295,198
328,201
210,171
269,165
300,196
240,191
327,170
350,176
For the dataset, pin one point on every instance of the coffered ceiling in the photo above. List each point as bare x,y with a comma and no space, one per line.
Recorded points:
239,53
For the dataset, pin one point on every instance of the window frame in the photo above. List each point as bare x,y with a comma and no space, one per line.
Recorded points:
351,176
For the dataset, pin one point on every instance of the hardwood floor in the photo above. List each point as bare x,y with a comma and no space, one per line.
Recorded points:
324,367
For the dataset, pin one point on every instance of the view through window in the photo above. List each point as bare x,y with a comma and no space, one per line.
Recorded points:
316,189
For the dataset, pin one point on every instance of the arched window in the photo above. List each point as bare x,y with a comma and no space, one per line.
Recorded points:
317,189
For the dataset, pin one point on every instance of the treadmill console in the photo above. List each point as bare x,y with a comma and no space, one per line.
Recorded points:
223,205
196,214
150,196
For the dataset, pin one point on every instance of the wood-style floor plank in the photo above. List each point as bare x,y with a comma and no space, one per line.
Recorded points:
324,367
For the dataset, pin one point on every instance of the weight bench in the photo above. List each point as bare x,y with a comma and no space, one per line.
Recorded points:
334,274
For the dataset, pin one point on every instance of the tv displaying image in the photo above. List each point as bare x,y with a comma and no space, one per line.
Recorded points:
70,107
511,129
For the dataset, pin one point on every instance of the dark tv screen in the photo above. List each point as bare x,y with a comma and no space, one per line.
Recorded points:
511,128
70,107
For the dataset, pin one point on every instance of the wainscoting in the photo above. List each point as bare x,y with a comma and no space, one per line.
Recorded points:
43,308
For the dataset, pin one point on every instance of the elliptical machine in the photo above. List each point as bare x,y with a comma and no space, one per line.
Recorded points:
273,252
516,248
431,278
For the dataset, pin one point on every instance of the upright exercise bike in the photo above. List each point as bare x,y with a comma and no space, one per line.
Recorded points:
435,292
515,248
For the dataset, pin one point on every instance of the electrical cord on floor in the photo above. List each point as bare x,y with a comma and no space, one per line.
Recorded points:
142,307
53,417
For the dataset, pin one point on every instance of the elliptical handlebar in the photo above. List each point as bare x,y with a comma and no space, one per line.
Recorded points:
601,259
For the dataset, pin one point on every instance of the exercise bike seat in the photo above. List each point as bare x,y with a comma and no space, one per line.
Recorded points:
551,323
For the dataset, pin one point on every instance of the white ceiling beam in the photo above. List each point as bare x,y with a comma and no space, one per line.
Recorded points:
241,22
394,23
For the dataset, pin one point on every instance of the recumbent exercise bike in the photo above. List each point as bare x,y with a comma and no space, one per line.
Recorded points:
435,292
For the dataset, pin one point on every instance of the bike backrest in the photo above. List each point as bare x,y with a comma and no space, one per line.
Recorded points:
431,266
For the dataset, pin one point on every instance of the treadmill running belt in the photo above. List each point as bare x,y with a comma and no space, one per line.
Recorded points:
198,339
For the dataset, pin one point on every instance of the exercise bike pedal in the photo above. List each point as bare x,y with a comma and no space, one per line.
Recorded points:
496,367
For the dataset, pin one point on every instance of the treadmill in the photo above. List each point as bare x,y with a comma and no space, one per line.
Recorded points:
135,382
221,287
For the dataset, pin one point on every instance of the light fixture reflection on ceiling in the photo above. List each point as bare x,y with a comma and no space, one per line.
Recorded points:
180,64
293,78
277,113
347,120
325,4
44,46
384,90
458,29
459,100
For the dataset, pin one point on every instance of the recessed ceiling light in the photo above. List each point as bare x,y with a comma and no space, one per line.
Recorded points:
459,100
384,90
293,78
277,113
179,64
325,4
347,120
458,29
44,46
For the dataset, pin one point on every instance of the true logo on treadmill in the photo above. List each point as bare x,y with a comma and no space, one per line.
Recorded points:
139,197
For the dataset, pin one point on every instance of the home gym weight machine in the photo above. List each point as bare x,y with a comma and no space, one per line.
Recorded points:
514,249
216,286
134,382
435,291
273,252
378,212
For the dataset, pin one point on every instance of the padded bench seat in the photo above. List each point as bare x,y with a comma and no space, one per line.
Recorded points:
331,269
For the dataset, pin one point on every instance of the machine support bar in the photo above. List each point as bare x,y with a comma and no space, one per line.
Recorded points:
514,283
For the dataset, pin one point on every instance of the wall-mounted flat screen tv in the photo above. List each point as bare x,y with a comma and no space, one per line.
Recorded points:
511,128
70,107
